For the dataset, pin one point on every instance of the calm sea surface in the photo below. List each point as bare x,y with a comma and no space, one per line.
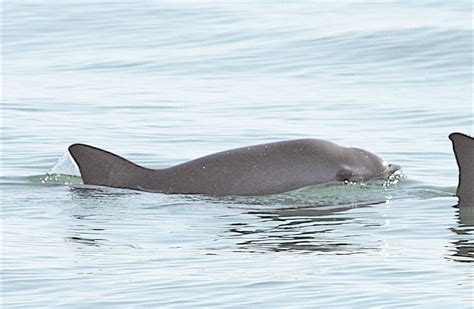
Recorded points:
165,82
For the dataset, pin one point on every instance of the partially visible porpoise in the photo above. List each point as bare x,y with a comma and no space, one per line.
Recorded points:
255,170
463,146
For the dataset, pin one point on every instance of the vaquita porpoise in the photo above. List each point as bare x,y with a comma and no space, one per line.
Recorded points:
463,146
255,170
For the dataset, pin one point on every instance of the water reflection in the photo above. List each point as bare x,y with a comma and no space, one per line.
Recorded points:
95,193
322,229
89,209
315,221
95,242
83,231
464,245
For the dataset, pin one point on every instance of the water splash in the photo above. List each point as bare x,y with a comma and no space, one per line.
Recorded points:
65,166
64,171
394,179
58,179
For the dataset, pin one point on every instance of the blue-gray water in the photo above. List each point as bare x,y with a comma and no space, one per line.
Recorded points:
164,82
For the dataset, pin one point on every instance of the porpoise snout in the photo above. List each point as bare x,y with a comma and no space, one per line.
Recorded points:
392,168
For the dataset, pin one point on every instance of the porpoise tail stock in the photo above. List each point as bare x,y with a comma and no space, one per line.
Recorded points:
255,170
463,146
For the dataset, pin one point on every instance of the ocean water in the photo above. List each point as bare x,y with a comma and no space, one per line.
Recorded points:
164,82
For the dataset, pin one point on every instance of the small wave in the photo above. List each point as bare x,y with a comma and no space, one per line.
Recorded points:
350,194
56,179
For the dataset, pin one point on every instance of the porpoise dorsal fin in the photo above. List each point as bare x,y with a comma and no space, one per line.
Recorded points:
103,168
463,146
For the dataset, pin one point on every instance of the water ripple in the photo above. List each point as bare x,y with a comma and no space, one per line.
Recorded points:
163,83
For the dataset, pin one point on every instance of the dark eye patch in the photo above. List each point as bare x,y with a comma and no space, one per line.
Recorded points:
344,174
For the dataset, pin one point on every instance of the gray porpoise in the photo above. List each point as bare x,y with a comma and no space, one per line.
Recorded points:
463,146
256,170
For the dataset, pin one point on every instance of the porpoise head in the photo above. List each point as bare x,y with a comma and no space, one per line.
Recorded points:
363,165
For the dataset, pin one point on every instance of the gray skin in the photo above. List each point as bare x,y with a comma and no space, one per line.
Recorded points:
256,170
463,146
